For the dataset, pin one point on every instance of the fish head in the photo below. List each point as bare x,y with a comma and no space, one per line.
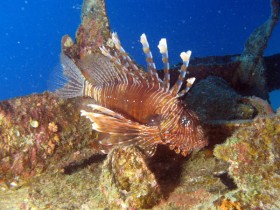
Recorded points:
183,131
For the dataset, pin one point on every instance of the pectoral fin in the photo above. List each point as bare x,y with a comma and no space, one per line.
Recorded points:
122,131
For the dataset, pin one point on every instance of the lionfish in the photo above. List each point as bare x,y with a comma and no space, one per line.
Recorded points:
131,106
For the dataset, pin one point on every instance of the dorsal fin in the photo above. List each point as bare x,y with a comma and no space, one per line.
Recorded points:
75,80
99,70
162,46
151,66
114,66
121,59
91,70
183,72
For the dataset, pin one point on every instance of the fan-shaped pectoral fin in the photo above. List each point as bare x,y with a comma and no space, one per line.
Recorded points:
118,130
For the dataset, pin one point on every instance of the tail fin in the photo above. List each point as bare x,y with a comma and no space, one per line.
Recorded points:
75,81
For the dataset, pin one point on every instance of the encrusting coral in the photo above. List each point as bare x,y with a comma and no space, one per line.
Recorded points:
253,154
126,182
35,130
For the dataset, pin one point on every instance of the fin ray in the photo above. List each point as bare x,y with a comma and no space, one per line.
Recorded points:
75,80
121,130
183,71
108,121
152,71
164,53
101,71
122,60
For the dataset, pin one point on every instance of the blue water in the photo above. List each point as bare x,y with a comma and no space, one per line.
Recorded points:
31,31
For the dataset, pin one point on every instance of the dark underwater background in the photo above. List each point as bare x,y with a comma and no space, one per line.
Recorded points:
31,31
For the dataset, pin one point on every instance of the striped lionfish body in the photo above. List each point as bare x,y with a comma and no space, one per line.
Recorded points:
131,106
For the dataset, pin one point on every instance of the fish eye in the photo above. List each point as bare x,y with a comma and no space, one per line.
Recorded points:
185,121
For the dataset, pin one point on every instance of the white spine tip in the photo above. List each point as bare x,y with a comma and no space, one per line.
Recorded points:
116,40
143,39
185,56
191,80
114,34
162,46
83,113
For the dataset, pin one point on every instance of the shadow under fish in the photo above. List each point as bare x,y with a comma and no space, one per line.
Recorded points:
130,106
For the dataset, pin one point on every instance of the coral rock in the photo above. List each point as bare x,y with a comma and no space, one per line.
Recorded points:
214,99
35,131
126,181
253,153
